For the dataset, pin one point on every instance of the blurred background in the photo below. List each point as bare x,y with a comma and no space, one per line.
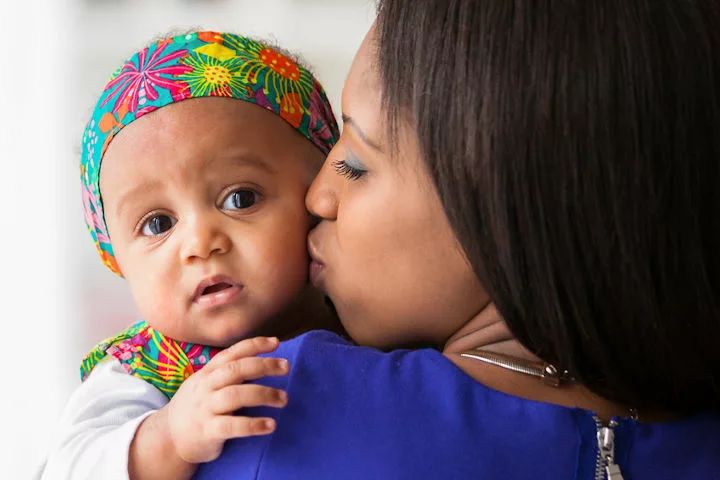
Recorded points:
58,298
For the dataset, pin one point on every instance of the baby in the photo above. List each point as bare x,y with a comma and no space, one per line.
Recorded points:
208,142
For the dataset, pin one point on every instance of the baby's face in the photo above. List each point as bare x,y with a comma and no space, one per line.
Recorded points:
204,203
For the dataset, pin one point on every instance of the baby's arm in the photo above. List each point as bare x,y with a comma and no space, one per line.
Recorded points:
98,424
193,427
117,426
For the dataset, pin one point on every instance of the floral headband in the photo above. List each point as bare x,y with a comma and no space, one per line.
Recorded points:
200,64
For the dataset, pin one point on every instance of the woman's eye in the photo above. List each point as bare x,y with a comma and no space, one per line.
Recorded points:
350,168
240,199
158,225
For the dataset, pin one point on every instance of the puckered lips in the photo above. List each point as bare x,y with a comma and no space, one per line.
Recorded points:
317,266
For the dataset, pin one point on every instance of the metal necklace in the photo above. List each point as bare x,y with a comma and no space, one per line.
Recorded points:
547,372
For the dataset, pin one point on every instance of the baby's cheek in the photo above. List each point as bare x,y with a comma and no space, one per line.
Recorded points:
158,306
282,243
282,268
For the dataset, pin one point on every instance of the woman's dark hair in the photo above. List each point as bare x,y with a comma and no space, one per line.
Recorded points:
575,145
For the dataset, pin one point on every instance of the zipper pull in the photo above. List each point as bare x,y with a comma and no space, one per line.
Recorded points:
613,472
606,447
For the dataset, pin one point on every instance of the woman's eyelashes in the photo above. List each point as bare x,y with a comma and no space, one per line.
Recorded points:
240,199
157,225
350,167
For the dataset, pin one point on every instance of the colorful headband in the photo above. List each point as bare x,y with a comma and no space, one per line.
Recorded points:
200,64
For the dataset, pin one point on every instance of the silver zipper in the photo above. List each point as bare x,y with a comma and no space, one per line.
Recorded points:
605,466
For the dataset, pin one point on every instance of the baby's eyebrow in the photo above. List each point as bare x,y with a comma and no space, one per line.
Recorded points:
141,189
248,158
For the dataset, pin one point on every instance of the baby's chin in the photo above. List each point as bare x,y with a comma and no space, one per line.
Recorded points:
213,333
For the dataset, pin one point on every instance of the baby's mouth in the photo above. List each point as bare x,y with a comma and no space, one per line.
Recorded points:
216,291
218,287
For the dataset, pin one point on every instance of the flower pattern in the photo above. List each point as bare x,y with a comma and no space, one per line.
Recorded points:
151,356
138,81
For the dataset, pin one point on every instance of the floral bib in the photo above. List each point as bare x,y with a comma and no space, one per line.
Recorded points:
151,356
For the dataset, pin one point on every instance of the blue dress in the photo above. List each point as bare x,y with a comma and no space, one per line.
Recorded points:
356,413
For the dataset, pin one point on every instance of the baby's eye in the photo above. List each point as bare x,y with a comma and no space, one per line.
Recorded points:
240,199
158,225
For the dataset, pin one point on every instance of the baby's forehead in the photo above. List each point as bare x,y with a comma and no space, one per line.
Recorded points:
211,133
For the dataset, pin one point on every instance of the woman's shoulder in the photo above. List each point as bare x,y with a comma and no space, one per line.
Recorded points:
357,412
316,345
399,385
324,355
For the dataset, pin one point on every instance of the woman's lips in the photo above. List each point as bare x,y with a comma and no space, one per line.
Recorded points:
316,265
316,270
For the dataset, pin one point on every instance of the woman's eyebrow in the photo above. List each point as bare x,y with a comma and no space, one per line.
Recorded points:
347,120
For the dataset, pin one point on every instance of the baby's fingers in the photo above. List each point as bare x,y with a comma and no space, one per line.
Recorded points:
244,369
234,397
228,426
244,348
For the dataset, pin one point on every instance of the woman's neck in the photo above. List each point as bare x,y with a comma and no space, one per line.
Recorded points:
487,331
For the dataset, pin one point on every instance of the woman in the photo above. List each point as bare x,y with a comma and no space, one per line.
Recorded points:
531,189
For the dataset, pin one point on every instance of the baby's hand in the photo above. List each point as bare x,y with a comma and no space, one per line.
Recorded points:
200,415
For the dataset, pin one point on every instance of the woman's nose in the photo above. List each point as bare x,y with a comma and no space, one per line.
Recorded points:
204,238
322,197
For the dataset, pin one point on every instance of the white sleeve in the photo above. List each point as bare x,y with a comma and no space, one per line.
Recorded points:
99,423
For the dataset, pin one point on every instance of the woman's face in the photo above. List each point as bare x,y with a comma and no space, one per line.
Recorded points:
384,251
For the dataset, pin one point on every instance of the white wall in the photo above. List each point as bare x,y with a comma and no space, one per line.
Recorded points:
58,299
